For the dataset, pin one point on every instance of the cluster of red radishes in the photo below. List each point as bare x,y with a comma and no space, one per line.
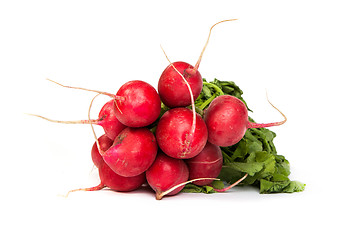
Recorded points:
185,147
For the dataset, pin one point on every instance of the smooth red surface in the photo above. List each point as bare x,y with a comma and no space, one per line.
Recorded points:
108,120
139,104
105,143
167,172
173,133
226,119
207,164
172,88
132,153
118,183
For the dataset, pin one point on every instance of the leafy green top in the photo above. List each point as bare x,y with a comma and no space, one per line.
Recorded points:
255,154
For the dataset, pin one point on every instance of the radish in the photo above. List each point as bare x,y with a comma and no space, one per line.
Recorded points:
105,143
107,119
165,173
178,136
137,104
132,152
173,90
114,181
227,120
207,163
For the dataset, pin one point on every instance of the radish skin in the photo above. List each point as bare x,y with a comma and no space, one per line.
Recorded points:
174,133
207,163
132,152
165,173
110,179
139,104
105,143
227,121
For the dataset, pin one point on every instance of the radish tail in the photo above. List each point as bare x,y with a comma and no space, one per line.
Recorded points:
66,122
92,127
207,41
160,195
193,126
263,125
96,188
232,185
85,89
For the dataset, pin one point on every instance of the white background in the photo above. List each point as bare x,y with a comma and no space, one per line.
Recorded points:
306,54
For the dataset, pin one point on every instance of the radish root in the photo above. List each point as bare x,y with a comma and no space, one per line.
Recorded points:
160,195
207,41
232,185
262,125
65,122
85,89
96,188
92,127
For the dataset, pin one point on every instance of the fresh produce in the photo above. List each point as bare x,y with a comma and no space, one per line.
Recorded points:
138,104
132,152
227,121
174,136
192,136
173,90
165,173
207,163
255,154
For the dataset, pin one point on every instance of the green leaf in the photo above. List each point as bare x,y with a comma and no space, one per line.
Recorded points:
250,168
284,186
218,184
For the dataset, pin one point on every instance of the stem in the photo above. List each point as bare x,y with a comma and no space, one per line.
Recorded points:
85,89
232,185
263,125
208,101
67,122
207,41
117,106
218,89
160,195
193,126
96,188
92,127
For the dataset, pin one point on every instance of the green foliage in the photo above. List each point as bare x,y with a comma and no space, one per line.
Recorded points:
255,154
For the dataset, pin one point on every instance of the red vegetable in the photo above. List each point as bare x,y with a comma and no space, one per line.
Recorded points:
165,173
132,152
227,120
207,164
137,104
105,143
176,136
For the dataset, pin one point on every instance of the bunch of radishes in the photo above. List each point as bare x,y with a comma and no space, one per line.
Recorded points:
168,150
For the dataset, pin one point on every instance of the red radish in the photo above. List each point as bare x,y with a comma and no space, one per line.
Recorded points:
165,173
105,143
173,90
119,183
137,103
175,134
107,119
115,182
207,164
132,152
227,120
